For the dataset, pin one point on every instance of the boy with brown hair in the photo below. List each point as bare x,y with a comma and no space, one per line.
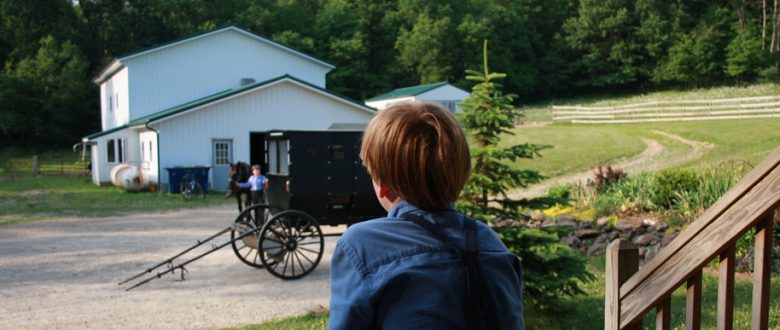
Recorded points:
424,266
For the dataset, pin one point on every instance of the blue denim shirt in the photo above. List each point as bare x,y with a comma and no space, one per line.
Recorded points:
390,273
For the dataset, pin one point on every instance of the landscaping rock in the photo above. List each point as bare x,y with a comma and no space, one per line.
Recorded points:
661,226
628,224
585,224
597,248
565,218
602,221
612,235
548,223
571,240
586,233
644,239
649,222
539,216
668,237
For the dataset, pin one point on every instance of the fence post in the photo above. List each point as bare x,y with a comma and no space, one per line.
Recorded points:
35,165
622,262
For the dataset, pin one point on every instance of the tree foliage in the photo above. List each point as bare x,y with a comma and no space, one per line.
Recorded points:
547,48
487,115
551,269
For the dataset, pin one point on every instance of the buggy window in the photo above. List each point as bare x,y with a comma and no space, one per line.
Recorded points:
284,157
272,164
278,156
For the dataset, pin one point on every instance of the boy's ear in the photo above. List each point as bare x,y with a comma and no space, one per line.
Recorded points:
384,191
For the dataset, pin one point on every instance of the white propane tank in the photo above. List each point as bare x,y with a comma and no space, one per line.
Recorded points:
129,177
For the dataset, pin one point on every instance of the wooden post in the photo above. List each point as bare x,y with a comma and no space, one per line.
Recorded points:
693,302
35,165
622,262
762,270
726,289
663,314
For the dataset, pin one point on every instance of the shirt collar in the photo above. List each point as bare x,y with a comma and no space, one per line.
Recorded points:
404,207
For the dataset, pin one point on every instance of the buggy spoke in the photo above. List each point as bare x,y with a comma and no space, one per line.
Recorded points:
312,251
307,258
286,258
296,257
309,243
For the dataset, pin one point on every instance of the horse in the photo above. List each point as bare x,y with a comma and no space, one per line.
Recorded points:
239,172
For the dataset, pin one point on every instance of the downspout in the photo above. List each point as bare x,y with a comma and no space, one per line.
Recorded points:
159,177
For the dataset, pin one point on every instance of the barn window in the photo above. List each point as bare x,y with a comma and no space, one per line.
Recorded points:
116,100
110,103
222,153
110,151
120,144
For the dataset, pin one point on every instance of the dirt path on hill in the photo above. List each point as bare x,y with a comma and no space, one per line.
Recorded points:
655,157
63,274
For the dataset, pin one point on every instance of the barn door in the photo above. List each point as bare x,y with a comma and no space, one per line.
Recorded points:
221,157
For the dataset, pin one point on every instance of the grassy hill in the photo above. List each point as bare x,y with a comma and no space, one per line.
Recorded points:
579,147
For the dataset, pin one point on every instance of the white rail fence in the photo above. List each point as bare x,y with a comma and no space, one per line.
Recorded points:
681,110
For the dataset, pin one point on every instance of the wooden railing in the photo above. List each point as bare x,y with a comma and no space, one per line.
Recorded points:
752,203
681,110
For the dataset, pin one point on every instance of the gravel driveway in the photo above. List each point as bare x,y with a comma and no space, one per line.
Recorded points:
63,274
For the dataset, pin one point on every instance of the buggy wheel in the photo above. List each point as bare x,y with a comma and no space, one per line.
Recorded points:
185,190
246,248
292,244
198,190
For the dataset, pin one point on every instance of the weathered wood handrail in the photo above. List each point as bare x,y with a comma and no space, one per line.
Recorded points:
750,204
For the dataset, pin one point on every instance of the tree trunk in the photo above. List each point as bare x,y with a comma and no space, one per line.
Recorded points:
763,26
773,44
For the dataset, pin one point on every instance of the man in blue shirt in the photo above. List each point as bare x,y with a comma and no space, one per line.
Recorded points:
410,270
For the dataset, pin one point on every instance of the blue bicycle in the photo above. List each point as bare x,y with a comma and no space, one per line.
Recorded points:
189,187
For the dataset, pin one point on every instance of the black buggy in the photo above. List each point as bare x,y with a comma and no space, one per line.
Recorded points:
315,178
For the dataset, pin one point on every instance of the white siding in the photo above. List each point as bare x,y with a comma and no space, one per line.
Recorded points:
114,103
185,140
208,65
101,168
148,158
381,104
444,93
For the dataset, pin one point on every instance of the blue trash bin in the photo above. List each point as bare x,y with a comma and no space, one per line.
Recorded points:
177,174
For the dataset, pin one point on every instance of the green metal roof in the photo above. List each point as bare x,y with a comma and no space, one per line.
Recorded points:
407,91
106,132
216,97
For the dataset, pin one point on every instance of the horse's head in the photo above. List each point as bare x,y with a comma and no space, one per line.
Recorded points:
239,172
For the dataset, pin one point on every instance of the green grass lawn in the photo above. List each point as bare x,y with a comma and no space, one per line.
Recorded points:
28,198
579,147
582,147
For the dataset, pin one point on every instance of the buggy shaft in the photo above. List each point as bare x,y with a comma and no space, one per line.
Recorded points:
169,260
181,265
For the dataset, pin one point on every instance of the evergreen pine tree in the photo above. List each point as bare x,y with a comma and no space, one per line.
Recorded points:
487,115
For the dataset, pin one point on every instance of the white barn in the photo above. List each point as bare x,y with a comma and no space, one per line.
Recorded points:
199,100
443,93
